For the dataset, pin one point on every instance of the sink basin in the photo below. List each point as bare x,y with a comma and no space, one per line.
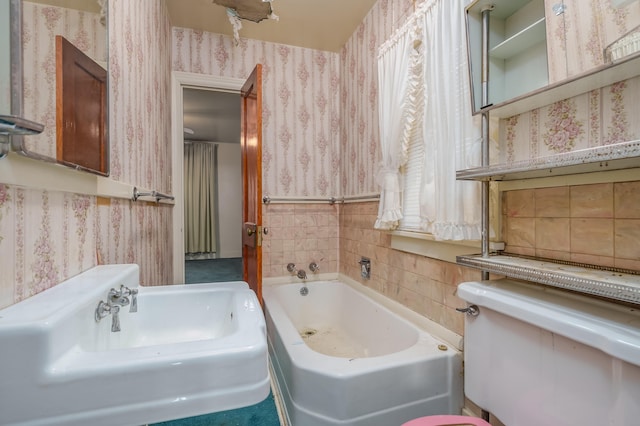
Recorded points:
188,350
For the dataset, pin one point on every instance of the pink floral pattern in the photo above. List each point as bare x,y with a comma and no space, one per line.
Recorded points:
54,235
140,63
594,118
80,207
5,199
301,105
562,126
511,123
617,130
534,134
45,269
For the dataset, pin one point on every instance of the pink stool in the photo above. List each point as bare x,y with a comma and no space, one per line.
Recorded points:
446,421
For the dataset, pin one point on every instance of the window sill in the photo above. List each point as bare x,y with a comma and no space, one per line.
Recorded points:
426,245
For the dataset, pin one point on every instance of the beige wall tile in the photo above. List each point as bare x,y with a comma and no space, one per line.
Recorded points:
520,203
627,200
552,254
552,202
627,238
552,234
592,200
592,236
593,260
521,232
633,265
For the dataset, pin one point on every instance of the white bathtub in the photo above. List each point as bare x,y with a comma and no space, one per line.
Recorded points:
341,358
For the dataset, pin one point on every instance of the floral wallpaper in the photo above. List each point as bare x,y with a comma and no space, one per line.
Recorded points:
599,117
41,24
320,138
359,95
301,110
320,131
47,236
577,39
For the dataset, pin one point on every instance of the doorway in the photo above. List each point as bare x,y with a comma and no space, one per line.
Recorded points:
212,185
205,117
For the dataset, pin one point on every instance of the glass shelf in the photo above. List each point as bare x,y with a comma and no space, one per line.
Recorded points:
530,36
595,79
612,283
624,155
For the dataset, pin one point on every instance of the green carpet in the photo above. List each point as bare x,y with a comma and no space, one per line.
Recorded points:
213,270
261,414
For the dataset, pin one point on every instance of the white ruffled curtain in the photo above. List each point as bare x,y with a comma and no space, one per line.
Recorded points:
440,115
450,209
399,80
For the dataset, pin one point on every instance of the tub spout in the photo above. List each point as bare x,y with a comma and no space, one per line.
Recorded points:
302,274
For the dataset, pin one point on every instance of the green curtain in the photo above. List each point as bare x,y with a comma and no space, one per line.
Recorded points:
200,220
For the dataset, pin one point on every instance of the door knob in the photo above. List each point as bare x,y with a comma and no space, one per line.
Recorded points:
250,231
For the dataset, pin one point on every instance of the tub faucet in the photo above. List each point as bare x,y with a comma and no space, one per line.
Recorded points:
302,274
313,267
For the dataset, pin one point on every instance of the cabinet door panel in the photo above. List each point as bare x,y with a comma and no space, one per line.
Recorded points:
591,26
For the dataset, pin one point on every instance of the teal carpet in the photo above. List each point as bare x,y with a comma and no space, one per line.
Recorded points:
262,414
213,270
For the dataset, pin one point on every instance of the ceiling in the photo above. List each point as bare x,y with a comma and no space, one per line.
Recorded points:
315,24
321,25
212,116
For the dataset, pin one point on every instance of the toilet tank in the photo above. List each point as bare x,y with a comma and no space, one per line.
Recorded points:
537,356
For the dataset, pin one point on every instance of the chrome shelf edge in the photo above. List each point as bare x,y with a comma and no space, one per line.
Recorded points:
547,272
624,155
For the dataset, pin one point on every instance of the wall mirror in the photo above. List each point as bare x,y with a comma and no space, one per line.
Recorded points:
536,45
35,25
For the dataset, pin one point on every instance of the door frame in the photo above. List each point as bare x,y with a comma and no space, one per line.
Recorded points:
179,81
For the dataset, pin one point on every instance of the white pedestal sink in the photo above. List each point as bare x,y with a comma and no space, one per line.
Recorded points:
188,350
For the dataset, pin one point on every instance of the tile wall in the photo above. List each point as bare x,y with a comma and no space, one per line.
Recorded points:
425,285
299,233
596,224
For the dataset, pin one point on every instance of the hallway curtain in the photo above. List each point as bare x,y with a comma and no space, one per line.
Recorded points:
400,88
453,139
200,197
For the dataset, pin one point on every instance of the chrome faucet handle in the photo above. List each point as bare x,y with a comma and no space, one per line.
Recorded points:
134,300
313,267
102,310
115,318
118,300
291,267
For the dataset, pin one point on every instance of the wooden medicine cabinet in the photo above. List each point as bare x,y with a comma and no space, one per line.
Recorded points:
81,110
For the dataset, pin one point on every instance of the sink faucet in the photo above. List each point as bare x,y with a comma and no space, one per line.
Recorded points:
105,308
121,297
116,299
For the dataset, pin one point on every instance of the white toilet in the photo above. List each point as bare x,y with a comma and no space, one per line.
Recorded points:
536,356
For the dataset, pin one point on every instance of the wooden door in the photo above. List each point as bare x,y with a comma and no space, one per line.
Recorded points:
251,146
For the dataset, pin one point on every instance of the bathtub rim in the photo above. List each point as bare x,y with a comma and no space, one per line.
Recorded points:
454,340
